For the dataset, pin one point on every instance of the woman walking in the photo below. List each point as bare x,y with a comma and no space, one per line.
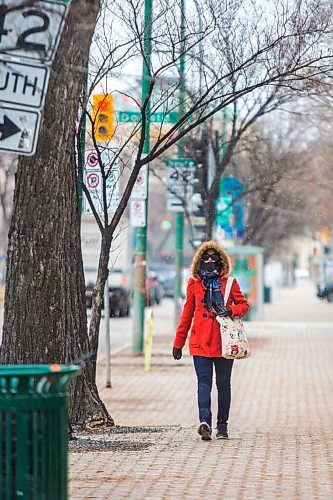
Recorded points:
204,302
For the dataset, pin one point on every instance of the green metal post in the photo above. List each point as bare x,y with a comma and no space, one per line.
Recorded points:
139,296
180,215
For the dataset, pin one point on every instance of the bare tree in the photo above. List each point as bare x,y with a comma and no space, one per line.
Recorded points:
279,58
45,317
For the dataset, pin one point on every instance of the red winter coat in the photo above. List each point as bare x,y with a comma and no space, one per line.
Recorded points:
205,337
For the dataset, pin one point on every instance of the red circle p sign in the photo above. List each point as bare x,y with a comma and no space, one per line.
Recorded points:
93,180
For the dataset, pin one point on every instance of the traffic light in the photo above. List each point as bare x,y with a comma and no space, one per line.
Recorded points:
103,117
325,234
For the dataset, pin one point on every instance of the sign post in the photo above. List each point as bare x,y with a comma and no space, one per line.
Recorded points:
140,262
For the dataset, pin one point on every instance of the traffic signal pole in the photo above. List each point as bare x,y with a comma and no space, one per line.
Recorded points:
139,292
180,215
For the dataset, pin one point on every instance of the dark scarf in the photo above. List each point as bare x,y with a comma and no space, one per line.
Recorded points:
213,298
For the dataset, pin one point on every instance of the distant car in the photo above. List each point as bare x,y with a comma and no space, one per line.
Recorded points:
119,295
167,280
326,292
154,289
165,274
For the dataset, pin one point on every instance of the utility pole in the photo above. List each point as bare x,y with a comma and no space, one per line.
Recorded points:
180,215
140,263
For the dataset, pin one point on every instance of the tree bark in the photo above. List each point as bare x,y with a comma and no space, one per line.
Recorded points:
45,317
98,293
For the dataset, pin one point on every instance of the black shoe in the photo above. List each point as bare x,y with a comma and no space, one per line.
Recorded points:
205,431
222,431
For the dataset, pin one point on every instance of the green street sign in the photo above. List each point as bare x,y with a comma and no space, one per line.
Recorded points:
157,117
160,117
129,116
181,163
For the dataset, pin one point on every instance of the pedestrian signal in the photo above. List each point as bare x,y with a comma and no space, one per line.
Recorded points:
103,116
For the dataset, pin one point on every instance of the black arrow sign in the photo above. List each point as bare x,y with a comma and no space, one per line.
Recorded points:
8,128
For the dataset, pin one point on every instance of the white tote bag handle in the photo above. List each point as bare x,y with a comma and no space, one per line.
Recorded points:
227,289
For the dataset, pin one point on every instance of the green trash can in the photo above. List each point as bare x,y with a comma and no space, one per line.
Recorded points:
34,431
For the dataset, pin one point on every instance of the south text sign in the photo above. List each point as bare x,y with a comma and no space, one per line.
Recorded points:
23,85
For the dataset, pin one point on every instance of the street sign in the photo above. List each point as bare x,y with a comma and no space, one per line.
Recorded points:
129,116
140,188
174,205
161,117
181,163
23,84
180,174
157,117
94,180
138,213
31,30
19,130
91,159
108,157
94,183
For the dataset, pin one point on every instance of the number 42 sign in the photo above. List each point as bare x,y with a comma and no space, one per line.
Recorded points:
31,30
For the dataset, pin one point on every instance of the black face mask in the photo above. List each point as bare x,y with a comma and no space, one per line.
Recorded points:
210,266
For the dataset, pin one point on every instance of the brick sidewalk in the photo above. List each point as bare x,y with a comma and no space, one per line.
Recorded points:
280,425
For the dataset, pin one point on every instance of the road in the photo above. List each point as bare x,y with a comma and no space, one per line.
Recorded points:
306,308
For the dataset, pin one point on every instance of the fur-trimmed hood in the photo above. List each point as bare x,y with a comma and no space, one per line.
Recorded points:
226,264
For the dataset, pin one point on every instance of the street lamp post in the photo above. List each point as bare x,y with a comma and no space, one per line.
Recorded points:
139,295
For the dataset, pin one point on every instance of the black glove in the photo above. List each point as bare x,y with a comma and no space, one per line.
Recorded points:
224,311
176,353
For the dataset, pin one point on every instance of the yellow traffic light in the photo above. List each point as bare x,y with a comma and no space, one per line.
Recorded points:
103,116
325,234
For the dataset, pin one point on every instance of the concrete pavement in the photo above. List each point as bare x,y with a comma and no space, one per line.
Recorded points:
281,438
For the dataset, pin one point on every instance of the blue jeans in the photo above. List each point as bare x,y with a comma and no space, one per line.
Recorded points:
204,370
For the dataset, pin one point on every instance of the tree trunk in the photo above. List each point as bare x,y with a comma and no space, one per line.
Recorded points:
98,294
45,317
